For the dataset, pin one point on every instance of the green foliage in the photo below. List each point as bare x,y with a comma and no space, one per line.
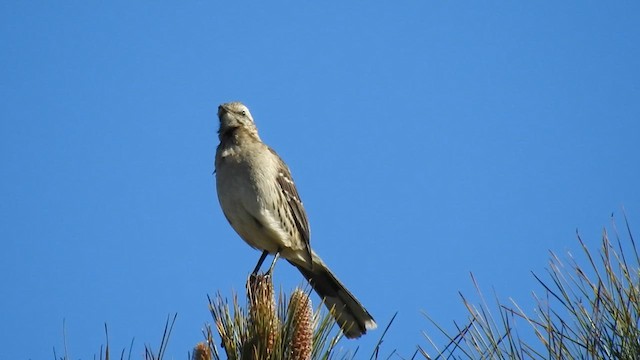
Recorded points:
589,311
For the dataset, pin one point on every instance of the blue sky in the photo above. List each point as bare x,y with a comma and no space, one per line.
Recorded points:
428,140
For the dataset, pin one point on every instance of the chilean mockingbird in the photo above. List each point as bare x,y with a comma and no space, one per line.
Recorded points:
260,201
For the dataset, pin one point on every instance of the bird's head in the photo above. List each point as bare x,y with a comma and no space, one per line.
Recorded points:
233,116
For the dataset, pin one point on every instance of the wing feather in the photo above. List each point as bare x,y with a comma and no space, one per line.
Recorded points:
288,187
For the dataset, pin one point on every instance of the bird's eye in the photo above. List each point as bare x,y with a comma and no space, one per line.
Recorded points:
244,113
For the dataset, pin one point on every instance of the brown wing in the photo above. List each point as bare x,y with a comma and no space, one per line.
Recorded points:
288,187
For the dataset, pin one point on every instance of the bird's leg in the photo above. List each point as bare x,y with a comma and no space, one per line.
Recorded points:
273,263
259,264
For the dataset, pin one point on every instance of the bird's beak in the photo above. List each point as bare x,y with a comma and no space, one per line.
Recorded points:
222,110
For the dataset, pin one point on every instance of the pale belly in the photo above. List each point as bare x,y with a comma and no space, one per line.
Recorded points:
248,211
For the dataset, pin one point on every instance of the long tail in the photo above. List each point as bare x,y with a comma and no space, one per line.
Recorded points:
353,318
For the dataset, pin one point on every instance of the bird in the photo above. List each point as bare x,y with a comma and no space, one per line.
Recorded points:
261,202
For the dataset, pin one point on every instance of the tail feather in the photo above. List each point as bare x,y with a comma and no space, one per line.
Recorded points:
353,318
